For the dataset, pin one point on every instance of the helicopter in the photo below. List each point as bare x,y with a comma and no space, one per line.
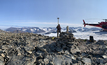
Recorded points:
102,25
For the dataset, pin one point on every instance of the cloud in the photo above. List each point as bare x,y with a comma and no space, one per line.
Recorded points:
51,23
39,24
71,25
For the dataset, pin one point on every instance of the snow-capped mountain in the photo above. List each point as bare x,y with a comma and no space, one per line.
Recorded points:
48,30
26,29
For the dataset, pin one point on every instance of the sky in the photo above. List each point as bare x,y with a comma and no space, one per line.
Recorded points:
44,13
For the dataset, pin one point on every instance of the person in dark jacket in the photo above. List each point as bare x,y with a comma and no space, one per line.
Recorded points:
58,30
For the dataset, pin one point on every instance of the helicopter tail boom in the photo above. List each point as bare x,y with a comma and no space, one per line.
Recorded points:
97,25
84,23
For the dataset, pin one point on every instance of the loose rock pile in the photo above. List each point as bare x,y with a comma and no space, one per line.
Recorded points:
34,49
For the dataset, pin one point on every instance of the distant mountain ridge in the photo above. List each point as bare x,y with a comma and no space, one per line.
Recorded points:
26,29
48,30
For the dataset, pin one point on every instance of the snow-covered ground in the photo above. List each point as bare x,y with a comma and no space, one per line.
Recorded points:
98,35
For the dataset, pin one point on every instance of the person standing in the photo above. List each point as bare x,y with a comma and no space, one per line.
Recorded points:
58,30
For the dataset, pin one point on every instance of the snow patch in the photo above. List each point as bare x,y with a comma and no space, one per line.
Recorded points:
32,30
24,29
35,29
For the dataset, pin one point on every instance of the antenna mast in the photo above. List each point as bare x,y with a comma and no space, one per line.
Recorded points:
58,20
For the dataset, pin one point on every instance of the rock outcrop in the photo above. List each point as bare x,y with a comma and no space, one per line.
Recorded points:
35,49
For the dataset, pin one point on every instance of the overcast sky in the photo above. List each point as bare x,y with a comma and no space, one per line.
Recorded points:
44,13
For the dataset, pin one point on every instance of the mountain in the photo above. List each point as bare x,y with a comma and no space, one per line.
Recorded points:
11,29
48,30
25,29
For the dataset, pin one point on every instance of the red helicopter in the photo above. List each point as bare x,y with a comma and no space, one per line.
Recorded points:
102,25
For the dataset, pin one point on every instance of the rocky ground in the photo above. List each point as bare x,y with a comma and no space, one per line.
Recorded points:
34,49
